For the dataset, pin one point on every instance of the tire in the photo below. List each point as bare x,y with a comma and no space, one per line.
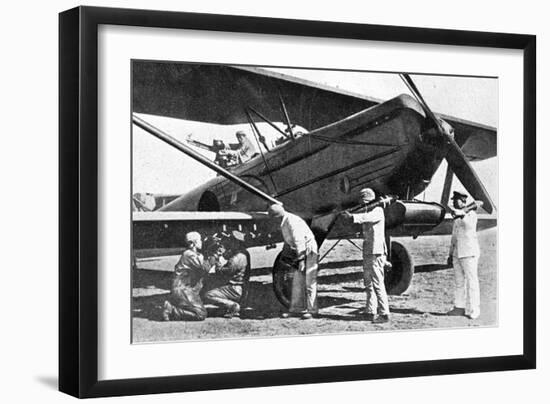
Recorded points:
399,277
282,281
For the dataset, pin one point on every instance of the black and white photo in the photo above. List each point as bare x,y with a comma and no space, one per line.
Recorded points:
280,201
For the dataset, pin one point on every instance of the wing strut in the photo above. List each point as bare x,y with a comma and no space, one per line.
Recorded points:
285,113
201,159
270,123
257,135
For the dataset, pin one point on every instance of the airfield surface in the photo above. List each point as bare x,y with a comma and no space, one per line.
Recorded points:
341,296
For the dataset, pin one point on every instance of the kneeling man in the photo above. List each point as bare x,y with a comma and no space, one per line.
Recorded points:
184,302
237,269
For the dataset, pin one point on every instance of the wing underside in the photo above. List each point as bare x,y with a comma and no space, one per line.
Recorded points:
159,233
221,94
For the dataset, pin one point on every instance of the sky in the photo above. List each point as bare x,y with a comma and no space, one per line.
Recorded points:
158,168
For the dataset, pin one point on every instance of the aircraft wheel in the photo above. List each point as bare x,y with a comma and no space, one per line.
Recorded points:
282,280
398,278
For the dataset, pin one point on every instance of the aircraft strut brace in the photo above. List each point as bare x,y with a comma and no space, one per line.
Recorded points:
200,158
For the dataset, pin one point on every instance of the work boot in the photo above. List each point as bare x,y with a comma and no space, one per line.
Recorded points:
288,314
381,319
167,311
233,311
472,316
369,317
456,311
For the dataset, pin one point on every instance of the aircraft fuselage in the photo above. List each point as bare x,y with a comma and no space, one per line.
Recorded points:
383,147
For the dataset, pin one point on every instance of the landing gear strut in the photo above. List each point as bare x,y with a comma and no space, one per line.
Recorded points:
397,278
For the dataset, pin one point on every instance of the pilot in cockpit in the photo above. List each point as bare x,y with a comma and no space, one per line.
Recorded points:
238,153
247,149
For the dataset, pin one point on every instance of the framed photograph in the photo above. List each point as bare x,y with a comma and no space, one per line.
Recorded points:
250,202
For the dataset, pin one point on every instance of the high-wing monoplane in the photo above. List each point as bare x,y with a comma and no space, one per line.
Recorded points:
352,142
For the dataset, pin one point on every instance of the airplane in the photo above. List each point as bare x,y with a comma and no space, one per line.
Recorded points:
351,142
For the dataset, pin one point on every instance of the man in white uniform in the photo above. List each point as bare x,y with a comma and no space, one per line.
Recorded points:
465,254
374,257
300,243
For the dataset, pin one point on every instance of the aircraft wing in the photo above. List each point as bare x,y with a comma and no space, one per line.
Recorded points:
477,141
220,94
162,233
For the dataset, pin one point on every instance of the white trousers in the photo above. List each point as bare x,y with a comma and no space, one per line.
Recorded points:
373,271
467,285
304,287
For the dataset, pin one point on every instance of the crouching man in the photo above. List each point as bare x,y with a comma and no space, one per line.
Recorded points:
185,302
236,270
300,244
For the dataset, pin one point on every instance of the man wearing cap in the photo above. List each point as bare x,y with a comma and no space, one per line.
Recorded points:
247,148
374,257
184,302
299,243
464,253
236,271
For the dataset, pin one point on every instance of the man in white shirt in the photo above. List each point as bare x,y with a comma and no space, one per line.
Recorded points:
301,245
248,148
464,253
374,257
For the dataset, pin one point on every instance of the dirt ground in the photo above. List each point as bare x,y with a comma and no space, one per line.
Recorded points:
341,296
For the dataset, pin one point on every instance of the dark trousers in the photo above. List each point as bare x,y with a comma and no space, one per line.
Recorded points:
225,296
186,302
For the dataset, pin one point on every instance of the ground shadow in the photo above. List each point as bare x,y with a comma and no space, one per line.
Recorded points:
149,307
262,271
261,302
354,289
49,381
416,312
430,268
359,317
147,278
340,278
406,311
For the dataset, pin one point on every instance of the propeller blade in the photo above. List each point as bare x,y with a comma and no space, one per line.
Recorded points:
418,95
465,173
455,156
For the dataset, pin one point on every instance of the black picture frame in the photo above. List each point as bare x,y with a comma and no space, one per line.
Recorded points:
78,196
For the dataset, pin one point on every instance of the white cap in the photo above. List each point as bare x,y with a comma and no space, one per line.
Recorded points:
192,237
368,194
276,210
